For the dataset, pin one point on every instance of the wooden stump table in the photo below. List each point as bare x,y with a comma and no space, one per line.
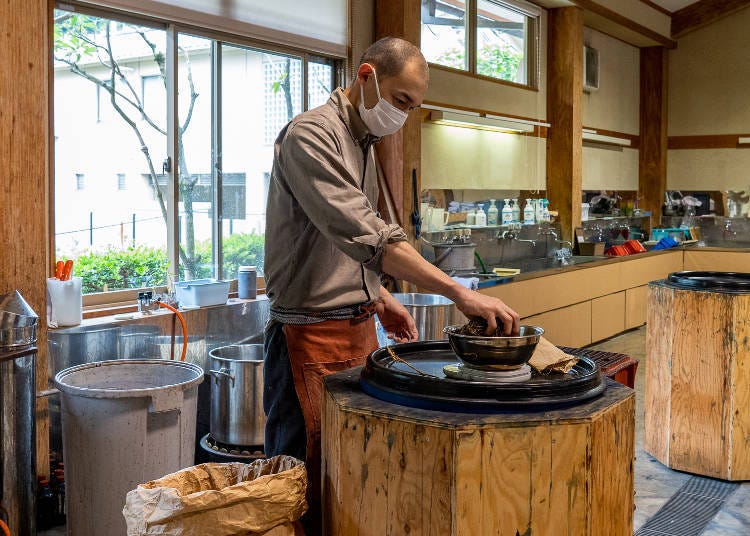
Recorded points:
390,469
698,381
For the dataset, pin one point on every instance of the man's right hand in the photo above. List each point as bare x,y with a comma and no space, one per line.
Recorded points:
474,304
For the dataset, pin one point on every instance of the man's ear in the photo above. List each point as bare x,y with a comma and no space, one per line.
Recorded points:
365,72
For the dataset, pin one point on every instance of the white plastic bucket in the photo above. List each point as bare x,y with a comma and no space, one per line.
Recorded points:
124,423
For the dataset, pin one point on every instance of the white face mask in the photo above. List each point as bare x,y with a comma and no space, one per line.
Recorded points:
383,118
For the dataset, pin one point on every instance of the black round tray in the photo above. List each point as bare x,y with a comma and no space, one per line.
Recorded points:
718,281
395,382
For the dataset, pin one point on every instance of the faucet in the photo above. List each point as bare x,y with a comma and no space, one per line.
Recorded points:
513,233
547,232
728,231
146,303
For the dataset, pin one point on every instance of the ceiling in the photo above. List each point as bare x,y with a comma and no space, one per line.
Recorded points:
673,5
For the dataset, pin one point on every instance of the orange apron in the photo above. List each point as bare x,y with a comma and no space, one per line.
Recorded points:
316,350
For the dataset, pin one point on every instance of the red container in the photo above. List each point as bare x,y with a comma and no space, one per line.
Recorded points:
633,246
617,251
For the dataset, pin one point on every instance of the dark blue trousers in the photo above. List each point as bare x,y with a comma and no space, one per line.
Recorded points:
285,424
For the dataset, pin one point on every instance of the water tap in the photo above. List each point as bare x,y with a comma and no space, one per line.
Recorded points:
146,302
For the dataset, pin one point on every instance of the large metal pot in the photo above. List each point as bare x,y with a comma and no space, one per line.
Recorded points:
454,256
431,313
237,416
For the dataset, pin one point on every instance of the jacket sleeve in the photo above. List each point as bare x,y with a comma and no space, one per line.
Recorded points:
312,165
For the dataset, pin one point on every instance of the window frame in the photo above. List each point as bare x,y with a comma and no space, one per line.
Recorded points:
125,298
533,43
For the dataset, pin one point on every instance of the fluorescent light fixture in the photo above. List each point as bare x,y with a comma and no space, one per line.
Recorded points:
743,140
591,135
517,120
476,121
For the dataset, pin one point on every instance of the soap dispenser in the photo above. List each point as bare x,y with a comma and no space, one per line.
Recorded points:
545,210
507,213
492,213
528,212
481,217
471,217
516,211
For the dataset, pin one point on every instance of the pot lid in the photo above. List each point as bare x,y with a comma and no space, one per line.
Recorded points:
395,382
15,312
718,281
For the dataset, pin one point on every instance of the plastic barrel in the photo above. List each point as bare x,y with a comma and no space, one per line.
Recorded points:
124,423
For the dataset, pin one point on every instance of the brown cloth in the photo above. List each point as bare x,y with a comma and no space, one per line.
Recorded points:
316,350
549,358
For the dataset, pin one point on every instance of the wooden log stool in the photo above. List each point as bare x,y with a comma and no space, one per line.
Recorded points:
392,469
698,381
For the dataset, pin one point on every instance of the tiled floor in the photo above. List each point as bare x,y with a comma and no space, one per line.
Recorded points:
654,482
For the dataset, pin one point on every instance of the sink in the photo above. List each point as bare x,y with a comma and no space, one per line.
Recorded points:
537,265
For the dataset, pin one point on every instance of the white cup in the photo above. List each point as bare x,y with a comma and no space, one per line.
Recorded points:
64,302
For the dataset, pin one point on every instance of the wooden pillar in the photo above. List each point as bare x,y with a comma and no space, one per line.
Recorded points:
400,153
565,113
24,210
652,158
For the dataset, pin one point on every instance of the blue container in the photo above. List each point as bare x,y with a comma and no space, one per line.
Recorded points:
247,283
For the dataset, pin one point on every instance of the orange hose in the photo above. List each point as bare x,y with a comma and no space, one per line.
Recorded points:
184,329
4,527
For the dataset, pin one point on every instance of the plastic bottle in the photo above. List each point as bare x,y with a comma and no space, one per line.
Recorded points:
59,492
492,213
545,210
481,217
45,505
516,211
507,212
528,212
539,210
471,217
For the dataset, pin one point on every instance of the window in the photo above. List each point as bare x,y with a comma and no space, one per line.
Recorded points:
504,36
141,232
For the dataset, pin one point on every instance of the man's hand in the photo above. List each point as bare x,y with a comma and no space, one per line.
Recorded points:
402,261
474,304
395,319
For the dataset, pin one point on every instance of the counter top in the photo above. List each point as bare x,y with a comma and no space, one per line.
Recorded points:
532,274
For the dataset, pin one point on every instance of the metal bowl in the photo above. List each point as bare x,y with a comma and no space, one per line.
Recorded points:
494,353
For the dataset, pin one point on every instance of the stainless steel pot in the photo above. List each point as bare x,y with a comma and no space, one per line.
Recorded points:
454,257
237,416
431,313
77,346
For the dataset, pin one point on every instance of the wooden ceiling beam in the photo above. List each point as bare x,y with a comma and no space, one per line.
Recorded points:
703,13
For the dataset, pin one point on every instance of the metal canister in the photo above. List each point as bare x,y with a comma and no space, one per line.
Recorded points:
237,416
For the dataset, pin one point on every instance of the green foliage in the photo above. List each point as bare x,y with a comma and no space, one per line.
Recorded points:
147,267
120,269
243,250
496,61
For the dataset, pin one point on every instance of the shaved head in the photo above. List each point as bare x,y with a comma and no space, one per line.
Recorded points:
390,55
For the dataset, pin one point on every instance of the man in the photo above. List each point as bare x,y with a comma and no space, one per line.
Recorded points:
326,248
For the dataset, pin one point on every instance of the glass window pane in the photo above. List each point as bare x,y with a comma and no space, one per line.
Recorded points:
113,229
502,35
261,92
319,83
196,185
444,32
